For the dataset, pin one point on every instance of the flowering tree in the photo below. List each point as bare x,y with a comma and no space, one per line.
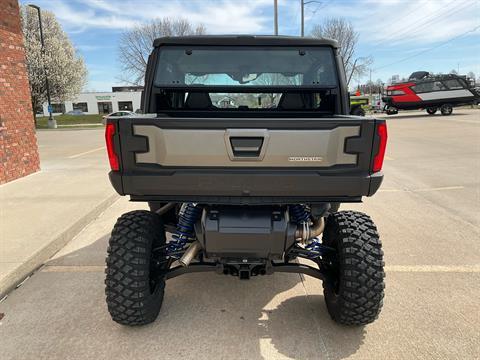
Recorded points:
65,68
136,44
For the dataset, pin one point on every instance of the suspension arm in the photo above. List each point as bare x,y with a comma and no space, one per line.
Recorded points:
193,268
299,269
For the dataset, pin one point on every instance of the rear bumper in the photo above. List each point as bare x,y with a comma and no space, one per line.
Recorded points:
234,187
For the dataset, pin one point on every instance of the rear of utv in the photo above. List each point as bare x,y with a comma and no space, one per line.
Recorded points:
244,156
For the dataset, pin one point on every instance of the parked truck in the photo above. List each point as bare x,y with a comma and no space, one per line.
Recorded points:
245,190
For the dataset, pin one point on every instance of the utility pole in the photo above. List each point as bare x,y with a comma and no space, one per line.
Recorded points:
52,123
275,16
370,90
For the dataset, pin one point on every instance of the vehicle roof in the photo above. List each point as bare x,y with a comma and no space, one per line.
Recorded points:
244,40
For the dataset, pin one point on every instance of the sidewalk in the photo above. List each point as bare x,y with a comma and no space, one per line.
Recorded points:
40,213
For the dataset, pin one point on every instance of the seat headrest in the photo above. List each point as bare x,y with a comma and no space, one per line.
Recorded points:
291,101
198,100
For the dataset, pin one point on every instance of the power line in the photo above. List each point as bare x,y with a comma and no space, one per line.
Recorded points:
399,19
440,13
429,49
416,30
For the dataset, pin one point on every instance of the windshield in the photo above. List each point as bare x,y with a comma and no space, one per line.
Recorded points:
239,66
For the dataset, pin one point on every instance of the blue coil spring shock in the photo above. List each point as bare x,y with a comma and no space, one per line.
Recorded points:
315,248
300,214
188,216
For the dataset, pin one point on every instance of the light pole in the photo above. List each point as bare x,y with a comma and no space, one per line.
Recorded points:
302,6
52,123
275,16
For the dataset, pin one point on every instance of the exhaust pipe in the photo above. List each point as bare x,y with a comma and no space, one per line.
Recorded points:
306,232
190,253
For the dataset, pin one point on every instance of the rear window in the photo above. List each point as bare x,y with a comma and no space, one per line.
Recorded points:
245,66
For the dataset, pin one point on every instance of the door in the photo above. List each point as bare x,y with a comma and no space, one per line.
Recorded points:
105,107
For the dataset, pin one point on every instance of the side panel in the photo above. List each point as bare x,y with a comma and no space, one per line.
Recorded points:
445,95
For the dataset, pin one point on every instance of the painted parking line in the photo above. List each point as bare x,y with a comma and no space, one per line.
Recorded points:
388,158
388,268
463,121
74,268
86,152
443,188
433,268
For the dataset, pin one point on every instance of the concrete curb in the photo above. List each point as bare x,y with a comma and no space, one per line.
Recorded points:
41,256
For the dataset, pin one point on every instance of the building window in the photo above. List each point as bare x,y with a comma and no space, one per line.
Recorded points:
58,108
105,107
39,109
125,105
81,106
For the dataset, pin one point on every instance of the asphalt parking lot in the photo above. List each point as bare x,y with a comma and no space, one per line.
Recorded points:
428,216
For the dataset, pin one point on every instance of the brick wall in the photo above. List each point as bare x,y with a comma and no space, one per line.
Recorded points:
18,143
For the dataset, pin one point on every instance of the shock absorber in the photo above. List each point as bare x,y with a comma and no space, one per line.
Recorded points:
314,247
301,215
185,232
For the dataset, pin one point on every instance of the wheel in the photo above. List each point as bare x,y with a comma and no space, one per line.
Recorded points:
357,111
392,111
431,110
446,109
134,282
354,286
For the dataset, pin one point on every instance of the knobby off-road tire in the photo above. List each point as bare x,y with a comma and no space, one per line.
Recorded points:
134,286
355,288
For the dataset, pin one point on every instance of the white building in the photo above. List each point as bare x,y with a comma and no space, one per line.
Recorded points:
121,98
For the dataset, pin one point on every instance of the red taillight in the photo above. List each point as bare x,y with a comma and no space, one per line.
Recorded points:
382,144
112,155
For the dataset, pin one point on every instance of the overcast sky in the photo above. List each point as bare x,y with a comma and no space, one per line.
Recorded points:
401,35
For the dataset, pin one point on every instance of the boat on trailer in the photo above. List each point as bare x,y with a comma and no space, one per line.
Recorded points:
430,92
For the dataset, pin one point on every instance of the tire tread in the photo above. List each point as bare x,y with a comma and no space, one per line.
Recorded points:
361,291
127,290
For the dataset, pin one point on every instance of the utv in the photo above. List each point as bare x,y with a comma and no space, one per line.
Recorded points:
244,155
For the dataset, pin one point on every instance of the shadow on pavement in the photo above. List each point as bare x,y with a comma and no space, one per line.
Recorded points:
204,316
327,340
420,115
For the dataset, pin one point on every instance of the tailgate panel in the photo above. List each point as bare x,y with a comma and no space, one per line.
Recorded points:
277,148
252,160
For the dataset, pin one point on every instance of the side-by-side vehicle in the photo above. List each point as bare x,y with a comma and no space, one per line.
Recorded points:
244,154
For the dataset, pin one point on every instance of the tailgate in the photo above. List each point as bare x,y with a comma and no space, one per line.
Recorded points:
252,160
